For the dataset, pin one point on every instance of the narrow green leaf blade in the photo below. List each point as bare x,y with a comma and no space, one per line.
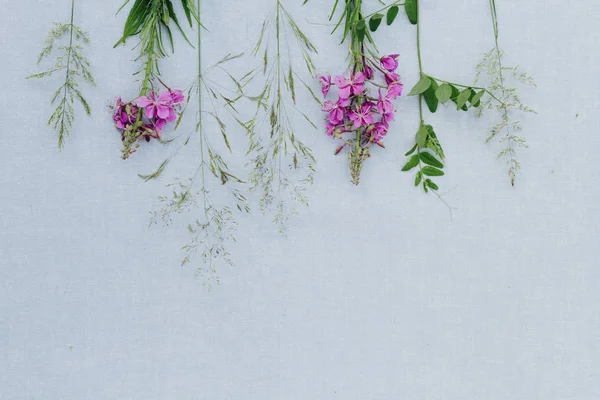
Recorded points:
413,162
408,153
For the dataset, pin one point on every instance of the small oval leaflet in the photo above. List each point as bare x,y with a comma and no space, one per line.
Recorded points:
375,21
411,7
422,134
421,86
462,98
391,14
443,93
432,171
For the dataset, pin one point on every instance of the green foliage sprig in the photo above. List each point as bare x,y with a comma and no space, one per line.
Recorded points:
428,154
150,20
493,69
282,165
75,66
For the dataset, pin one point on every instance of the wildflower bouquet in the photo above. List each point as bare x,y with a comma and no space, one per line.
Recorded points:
360,116
145,117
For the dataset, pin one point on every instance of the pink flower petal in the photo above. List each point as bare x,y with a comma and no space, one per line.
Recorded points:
143,101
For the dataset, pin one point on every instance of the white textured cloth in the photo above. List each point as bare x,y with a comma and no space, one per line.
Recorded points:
376,293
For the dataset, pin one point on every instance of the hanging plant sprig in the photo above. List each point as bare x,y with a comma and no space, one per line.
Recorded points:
146,116
493,69
427,155
360,116
282,165
74,66
213,227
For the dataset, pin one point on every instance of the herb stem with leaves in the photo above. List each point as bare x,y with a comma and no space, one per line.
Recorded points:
75,65
282,165
213,228
427,153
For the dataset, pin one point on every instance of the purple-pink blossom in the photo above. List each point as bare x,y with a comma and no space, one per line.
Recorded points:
177,96
159,107
325,84
391,77
125,114
390,62
337,110
385,107
362,116
379,131
394,91
347,87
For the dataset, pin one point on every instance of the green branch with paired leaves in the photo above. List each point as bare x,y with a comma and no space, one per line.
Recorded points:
432,91
75,66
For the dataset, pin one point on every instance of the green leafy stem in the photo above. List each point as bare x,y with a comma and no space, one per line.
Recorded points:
434,91
75,66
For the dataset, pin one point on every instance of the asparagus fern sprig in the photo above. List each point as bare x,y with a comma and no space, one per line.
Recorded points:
282,165
71,62
498,74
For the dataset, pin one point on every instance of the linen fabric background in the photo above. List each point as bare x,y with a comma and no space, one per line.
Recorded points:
376,293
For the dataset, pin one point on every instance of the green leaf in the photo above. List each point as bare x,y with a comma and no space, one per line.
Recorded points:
475,100
408,153
429,159
392,14
361,30
443,93
433,143
432,185
462,98
411,8
421,86
413,162
375,21
418,178
430,98
422,134
431,171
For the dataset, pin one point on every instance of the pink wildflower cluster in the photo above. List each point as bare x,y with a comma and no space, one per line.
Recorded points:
363,107
156,113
